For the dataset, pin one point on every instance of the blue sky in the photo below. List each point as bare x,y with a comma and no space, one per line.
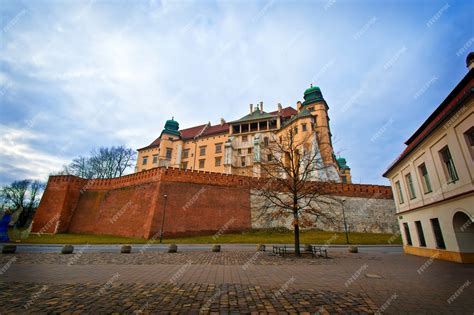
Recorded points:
76,75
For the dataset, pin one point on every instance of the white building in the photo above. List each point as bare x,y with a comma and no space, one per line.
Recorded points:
433,180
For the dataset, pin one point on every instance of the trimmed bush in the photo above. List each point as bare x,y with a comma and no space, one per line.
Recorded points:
67,249
216,248
307,248
9,249
261,248
353,249
173,248
126,249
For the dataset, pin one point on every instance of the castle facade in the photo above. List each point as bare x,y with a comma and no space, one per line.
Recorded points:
234,147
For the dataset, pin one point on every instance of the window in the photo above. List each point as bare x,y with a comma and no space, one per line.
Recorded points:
201,163
399,192
184,165
437,233
310,109
155,158
469,136
218,147
185,153
169,151
448,165
407,233
296,130
218,161
249,150
303,127
265,141
145,160
344,179
269,157
411,188
421,236
425,179
245,138
239,151
202,150
242,162
236,129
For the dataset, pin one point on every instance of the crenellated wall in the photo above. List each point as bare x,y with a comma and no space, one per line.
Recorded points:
133,205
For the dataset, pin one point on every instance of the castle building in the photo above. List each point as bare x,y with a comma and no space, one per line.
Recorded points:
433,179
233,147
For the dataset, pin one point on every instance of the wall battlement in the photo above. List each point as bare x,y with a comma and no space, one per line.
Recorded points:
197,202
217,179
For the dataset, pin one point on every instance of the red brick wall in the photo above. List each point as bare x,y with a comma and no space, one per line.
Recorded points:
120,211
58,204
197,203
199,209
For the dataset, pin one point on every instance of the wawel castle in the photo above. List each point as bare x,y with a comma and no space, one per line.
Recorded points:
233,147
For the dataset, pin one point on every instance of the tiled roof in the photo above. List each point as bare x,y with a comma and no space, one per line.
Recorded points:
213,130
256,114
155,143
192,132
464,88
286,112
303,113
207,130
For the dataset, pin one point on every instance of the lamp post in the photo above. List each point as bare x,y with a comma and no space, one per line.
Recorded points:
163,219
344,218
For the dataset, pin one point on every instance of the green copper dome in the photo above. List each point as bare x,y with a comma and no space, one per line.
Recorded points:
172,127
313,94
342,163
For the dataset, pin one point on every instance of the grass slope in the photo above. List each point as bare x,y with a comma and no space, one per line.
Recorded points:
251,237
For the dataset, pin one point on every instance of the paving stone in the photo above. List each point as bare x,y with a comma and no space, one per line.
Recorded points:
218,282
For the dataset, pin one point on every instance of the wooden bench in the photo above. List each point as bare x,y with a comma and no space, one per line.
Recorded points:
319,251
316,251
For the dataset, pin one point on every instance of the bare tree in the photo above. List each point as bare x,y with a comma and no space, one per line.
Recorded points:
23,196
102,163
14,194
81,167
294,190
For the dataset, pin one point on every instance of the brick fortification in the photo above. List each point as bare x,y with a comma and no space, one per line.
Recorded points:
133,205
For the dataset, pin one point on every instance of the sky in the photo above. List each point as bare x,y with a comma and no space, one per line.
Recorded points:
77,75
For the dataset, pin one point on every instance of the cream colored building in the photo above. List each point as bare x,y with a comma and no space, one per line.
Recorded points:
234,147
433,180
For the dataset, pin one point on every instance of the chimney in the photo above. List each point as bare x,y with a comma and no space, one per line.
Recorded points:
261,107
222,121
251,108
279,107
470,60
298,106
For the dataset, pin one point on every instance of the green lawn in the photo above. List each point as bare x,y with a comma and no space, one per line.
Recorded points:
251,237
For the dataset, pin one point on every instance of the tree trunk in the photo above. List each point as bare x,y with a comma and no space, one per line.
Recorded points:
297,235
297,240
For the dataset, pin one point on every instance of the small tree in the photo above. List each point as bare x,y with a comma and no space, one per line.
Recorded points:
293,166
23,196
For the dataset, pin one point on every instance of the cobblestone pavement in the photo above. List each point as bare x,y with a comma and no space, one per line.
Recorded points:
162,282
183,298
195,258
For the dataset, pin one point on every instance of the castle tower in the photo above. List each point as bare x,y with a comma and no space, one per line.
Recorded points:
168,151
317,106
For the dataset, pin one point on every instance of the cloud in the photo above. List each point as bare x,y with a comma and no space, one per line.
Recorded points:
20,159
78,75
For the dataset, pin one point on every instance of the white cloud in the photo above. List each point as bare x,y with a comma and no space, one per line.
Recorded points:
16,151
105,73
